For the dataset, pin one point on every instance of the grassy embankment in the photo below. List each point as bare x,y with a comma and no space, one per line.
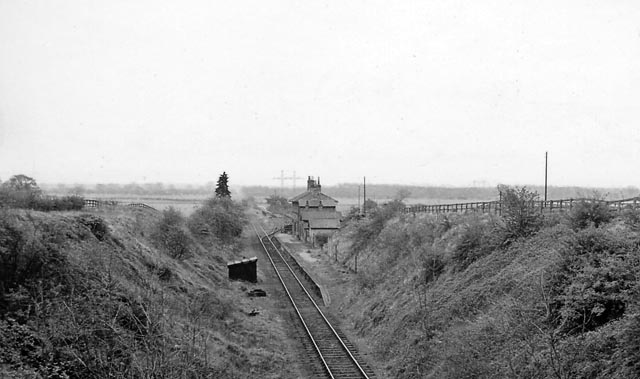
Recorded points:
482,296
128,293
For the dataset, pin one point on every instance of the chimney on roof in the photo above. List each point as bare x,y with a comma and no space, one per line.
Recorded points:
312,185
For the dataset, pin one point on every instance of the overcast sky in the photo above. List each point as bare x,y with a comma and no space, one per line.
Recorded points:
412,92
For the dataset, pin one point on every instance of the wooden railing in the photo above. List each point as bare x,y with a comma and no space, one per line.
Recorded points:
91,203
141,205
544,206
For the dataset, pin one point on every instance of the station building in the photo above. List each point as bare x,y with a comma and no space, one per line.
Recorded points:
315,213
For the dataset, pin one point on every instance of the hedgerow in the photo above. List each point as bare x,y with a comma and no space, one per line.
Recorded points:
23,192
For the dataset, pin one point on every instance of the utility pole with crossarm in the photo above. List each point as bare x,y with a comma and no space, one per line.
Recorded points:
282,178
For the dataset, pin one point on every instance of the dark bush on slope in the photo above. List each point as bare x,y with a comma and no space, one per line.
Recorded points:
521,218
479,237
170,234
597,282
369,228
593,212
218,218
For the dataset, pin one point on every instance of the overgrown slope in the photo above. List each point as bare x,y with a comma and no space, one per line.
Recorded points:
94,295
466,296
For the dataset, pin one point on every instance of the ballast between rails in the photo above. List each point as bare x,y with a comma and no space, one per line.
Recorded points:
304,324
298,312
335,333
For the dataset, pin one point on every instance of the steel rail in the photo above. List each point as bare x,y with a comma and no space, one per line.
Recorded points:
317,308
304,324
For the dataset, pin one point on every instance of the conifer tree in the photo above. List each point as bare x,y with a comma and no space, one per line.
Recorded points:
222,188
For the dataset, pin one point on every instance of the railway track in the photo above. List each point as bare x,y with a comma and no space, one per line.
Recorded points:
337,356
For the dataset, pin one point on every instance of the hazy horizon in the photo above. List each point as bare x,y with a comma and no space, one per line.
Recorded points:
302,187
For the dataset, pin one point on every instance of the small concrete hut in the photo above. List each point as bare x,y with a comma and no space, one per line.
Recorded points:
245,269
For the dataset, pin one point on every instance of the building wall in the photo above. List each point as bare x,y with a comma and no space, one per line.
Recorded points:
315,213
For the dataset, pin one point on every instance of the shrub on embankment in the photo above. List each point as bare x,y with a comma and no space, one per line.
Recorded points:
463,296
87,295
218,220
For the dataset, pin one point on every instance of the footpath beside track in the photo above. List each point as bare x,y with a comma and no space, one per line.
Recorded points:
337,356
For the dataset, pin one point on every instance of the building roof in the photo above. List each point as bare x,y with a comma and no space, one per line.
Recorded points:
244,261
314,198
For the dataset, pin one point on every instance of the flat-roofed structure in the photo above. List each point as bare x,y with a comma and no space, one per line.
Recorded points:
314,213
245,269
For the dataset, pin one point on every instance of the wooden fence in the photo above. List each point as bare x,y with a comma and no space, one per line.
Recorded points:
544,206
91,203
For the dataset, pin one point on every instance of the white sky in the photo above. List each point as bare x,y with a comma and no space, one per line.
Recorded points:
414,92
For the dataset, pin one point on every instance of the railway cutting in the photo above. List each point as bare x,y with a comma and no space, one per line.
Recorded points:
330,354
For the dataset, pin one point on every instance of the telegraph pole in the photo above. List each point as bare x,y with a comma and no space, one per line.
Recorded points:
364,201
545,175
281,181
294,177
